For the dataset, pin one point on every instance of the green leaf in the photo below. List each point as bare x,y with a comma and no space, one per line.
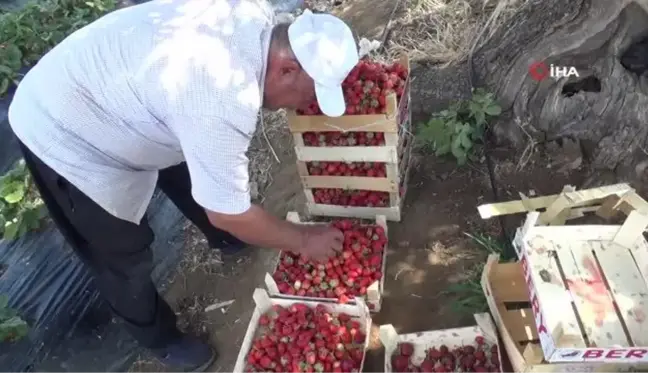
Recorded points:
4,85
465,140
30,218
480,117
493,110
456,144
477,133
10,231
442,150
15,196
461,159
474,107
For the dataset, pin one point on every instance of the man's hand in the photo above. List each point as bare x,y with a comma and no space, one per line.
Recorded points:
259,228
321,241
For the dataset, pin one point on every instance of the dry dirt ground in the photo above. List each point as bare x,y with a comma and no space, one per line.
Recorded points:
428,248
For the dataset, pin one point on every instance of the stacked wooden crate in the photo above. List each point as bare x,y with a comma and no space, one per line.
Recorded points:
375,149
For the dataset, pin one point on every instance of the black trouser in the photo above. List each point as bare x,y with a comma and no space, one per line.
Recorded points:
117,251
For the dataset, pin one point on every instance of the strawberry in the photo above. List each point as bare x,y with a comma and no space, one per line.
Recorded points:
400,363
305,339
467,358
406,349
342,277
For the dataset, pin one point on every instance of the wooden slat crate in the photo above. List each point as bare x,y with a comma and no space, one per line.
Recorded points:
508,299
373,297
451,338
587,283
395,126
264,302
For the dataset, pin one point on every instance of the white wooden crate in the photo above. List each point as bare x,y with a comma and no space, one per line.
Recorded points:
374,291
588,289
264,303
452,338
396,154
509,303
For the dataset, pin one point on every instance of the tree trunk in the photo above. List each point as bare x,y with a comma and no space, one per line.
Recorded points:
605,109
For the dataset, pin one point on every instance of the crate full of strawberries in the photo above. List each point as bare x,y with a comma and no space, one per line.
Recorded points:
470,349
293,336
358,271
352,166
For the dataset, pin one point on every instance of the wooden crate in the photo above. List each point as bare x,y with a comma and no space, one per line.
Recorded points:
374,291
587,283
589,292
606,202
508,299
396,154
264,302
452,338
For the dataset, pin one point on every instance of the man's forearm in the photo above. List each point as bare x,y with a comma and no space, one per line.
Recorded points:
259,228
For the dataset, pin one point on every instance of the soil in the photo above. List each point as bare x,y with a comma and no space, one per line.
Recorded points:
428,248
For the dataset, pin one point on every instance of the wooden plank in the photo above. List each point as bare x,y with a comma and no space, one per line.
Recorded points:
564,214
561,321
380,184
608,208
347,123
587,286
631,230
318,209
628,288
638,203
386,154
310,198
302,169
580,232
639,253
586,196
507,280
554,209
579,212
520,323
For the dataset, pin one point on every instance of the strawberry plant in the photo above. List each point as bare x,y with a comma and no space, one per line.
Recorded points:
345,276
476,357
21,208
457,129
27,34
12,326
299,338
468,294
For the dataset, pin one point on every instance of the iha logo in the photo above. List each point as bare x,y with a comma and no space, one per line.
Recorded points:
539,71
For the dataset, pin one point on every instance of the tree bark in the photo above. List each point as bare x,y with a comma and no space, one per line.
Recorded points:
594,36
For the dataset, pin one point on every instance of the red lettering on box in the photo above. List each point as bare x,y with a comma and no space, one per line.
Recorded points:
617,353
541,326
535,302
593,354
638,353
614,354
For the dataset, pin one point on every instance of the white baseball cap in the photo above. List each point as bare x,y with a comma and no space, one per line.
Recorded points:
324,46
